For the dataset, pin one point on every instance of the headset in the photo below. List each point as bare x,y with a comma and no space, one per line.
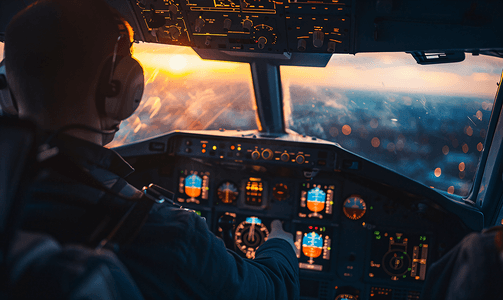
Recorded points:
120,86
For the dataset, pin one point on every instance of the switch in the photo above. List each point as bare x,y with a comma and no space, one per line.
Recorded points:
227,24
301,45
331,47
247,25
173,9
261,42
318,37
300,159
199,24
255,155
208,41
285,157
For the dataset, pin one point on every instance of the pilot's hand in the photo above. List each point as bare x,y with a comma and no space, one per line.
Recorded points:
277,232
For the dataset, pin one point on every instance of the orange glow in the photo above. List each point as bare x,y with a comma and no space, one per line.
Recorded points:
450,190
445,150
346,130
480,146
461,166
438,172
375,142
479,115
465,148
469,130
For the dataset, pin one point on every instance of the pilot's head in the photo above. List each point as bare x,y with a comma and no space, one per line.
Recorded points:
69,62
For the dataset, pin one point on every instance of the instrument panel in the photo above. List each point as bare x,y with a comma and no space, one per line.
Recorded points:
355,238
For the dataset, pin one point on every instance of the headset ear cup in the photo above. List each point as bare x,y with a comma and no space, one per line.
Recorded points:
128,81
7,101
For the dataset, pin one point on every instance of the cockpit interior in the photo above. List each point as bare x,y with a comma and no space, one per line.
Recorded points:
371,129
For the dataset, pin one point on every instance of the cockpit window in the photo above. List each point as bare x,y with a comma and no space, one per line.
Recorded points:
184,92
428,122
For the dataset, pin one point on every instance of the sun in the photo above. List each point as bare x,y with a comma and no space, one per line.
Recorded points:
177,62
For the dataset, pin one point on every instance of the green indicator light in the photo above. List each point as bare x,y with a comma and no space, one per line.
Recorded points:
323,228
198,212
405,253
420,245
303,184
371,207
378,237
401,257
399,237
410,269
404,276
376,232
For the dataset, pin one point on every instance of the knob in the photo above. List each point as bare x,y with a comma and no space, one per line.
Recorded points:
173,9
300,159
208,41
174,32
331,47
267,154
247,25
301,45
318,37
199,24
261,42
285,157
227,24
255,155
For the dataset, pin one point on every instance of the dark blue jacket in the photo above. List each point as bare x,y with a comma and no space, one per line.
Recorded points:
175,255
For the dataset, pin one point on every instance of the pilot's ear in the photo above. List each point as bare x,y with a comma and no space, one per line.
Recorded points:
119,96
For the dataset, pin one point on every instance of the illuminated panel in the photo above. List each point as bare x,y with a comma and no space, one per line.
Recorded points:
399,256
313,247
254,192
316,200
193,186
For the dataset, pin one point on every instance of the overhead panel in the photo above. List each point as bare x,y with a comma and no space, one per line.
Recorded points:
263,26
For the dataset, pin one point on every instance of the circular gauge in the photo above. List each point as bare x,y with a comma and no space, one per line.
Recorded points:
250,234
227,192
396,262
354,207
281,192
345,297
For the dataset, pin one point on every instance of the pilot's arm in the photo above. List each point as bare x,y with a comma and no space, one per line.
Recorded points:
175,256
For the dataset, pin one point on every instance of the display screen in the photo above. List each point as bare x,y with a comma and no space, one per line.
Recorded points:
316,200
399,256
193,186
313,246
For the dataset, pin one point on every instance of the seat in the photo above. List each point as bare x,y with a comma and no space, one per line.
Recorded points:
34,265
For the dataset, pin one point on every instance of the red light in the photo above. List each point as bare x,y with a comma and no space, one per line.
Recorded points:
316,228
310,227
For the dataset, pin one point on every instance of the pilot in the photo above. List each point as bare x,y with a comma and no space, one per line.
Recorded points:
70,71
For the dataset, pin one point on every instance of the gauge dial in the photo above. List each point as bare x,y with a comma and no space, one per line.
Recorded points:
312,245
250,234
354,207
227,192
281,192
193,184
316,199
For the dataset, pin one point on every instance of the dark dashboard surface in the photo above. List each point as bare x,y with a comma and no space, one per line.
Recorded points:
360,230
